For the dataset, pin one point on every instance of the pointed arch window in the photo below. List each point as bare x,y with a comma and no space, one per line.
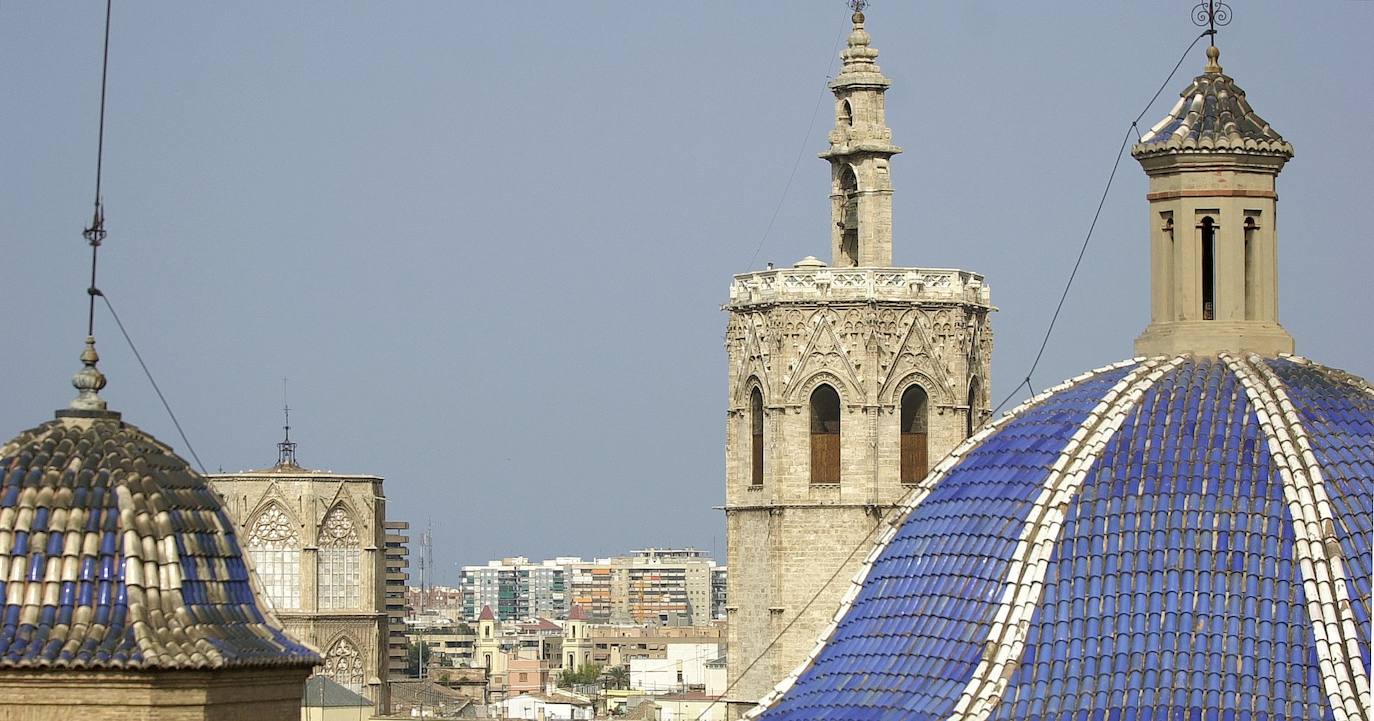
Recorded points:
846,113
338,575
825,435
915,434
344,665
975,394
756,437
274,545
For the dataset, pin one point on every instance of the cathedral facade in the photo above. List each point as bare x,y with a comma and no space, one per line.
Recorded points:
847,382
317,540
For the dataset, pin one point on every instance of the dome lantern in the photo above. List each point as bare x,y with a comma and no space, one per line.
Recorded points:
1212,164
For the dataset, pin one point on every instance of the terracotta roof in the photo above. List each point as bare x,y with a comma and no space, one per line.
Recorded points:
486,615
324,692
115,554
577,614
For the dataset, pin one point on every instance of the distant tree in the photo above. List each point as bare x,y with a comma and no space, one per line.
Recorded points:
465,630
582,675
617,677
417,655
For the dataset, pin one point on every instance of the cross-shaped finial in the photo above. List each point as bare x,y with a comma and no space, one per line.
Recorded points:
858,5
1212,14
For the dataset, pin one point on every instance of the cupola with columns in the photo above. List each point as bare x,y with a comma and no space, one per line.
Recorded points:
1212,165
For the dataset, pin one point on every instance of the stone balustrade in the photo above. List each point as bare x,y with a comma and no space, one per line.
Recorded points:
813,284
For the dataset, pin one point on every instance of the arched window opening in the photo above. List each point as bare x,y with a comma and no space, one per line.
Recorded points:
825,435
846,113
274,545
756,437
915,433
849,218
1166,267
338,577
1209,235
486,660
975,395
1250,277
344,665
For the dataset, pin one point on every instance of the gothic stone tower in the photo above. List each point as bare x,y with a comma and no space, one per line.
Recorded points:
847,383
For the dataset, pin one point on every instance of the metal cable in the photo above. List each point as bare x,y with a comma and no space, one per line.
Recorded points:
1133,128
149,373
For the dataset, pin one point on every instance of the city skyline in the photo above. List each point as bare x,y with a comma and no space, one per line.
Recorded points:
488,245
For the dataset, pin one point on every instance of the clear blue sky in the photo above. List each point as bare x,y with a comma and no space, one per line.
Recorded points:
488,242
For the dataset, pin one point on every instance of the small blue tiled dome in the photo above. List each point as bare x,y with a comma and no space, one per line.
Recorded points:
1167,538
115,554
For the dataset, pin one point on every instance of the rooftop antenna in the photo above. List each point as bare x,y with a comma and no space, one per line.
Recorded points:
1212,15
89,380
286,450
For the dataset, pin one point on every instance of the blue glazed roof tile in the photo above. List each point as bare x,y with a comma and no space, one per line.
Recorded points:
115,554
1181,580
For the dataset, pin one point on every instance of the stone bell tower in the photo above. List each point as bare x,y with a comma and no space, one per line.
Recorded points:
847,383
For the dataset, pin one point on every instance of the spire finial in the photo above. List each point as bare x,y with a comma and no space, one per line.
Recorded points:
1212,15
858,6
286,450
88,381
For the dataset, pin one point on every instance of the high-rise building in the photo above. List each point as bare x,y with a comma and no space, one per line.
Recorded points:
397,561
847,382
719,581
318,543
514,589
666,586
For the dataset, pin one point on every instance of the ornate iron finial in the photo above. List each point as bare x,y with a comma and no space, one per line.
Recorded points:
858,7
286,450
1212,15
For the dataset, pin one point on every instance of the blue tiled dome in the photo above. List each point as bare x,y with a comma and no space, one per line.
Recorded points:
1167,538
114,554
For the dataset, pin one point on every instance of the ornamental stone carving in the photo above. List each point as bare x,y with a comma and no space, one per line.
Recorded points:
338,530
274,529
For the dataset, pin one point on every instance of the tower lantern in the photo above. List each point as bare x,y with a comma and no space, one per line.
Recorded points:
1212,164
860,152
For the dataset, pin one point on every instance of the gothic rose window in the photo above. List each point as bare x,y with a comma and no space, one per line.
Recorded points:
274,544
338,567
344,665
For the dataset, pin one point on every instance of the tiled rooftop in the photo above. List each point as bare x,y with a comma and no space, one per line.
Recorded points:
1169,538
115,554
1212,115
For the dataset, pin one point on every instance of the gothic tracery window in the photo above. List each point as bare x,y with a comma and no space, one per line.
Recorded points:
338,579
274,544
344,665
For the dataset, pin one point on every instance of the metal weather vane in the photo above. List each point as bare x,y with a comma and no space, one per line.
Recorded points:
1212,15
